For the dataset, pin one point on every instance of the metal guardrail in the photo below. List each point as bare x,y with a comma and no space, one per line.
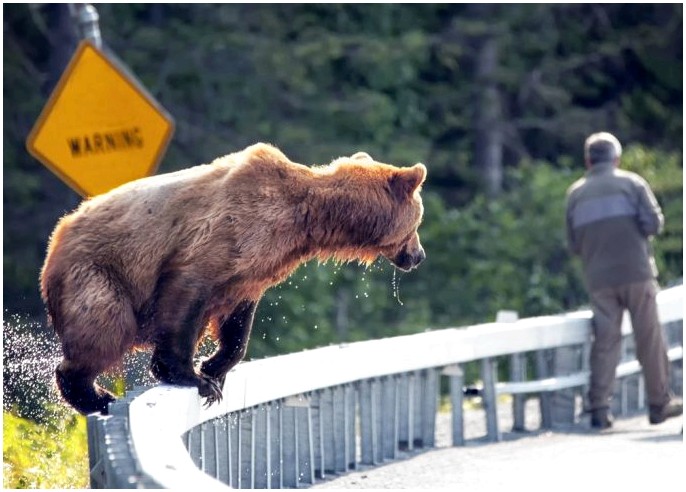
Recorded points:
286,421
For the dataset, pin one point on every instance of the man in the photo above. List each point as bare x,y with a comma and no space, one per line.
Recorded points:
611,216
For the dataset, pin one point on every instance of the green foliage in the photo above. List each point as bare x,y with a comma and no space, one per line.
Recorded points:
664,172
44,455
504,253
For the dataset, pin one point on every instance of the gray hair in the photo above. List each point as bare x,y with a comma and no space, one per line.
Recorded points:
602,147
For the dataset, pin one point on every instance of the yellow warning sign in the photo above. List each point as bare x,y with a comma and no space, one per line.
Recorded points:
100,127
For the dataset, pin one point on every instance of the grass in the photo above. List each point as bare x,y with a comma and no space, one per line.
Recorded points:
52,455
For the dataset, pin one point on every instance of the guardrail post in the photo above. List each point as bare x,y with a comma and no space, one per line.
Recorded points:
567,361
518,374
489,376
276,451
417,408
456,376
211,448
318,448
631,385
425,404
247,449
193,445
366,423
370,422
674,335
298,442
222,452
405,411
542,361
351,422
307,449
262,444
339,417
324,432
586,367
233,444
332,421
389,417
618,403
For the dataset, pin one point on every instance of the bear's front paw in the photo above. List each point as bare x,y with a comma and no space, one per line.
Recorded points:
209,389
218,380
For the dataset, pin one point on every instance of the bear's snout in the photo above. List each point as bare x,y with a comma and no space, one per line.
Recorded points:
408,259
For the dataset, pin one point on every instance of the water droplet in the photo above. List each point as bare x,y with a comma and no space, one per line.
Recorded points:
395,282
31,352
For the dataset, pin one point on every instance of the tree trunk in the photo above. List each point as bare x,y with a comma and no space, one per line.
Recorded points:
488,151
63,40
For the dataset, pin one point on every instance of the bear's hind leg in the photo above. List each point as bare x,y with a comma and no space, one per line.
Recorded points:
78,388
96,327
234,334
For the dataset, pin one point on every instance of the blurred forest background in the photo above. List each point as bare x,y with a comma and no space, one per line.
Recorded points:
496,100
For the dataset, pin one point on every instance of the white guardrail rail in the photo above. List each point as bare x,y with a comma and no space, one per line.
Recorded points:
287,420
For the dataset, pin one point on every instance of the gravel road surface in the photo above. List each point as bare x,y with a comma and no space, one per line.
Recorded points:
632,456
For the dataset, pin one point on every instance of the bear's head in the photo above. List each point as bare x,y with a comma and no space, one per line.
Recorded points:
402,247
388,207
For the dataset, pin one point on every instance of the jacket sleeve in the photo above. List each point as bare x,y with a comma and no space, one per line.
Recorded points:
572,243
650,218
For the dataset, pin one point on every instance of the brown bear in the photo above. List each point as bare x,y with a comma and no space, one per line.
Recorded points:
159,261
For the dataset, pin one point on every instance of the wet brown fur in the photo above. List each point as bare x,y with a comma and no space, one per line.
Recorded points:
126,265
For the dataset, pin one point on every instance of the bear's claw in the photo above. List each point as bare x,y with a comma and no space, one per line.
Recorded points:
209,389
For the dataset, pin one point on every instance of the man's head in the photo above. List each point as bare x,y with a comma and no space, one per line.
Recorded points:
602,148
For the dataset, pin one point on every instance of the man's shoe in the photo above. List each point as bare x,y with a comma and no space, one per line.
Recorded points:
601,418
658,414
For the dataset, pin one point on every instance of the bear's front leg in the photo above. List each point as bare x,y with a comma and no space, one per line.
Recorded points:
233,342
169,369
181,312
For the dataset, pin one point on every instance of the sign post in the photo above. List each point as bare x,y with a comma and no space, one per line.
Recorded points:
100,128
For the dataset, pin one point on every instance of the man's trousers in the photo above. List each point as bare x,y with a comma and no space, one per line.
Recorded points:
608,305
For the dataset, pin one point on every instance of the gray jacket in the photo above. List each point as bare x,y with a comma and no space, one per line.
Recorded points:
611,215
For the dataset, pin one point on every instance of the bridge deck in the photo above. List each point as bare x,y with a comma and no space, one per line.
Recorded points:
633,455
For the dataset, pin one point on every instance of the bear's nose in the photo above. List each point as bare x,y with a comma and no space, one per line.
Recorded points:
407,260
419,257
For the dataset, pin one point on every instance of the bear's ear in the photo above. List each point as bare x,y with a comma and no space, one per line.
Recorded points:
361,156
405,181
